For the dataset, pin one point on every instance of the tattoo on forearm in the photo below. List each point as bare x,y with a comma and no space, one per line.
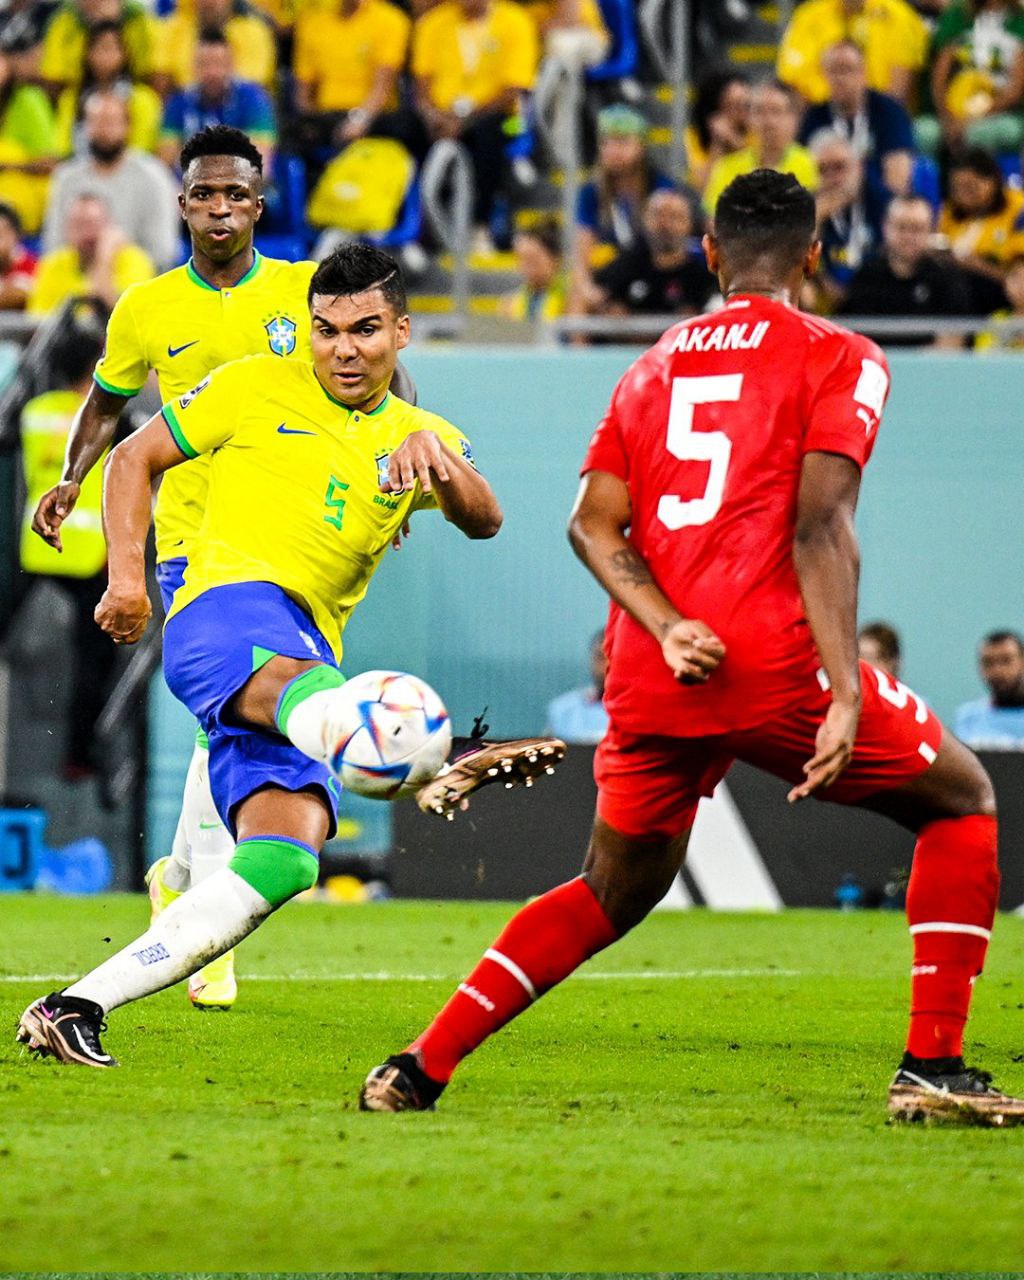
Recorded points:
628,567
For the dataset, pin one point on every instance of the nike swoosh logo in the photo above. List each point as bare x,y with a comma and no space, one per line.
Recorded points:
176,351
96,1057
293,431
210,826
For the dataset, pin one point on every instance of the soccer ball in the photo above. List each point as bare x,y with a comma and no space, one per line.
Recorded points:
395,737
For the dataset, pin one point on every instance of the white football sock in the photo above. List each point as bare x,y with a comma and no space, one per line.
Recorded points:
209,841
202,843
196,928
178,870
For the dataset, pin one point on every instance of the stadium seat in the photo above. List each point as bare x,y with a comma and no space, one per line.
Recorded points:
408,225
620,19
285,212
1009,162
926,180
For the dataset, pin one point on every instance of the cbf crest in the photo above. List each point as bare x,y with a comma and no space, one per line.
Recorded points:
281,335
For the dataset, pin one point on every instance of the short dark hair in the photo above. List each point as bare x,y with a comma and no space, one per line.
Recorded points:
10,215
214,35
885,636
78,346
547,232
354,268
220,140
106,27
765,214
1001,637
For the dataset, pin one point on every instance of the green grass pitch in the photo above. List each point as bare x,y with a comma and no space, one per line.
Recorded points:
706,1096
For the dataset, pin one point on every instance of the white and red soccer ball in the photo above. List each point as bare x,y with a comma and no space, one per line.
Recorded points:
395,737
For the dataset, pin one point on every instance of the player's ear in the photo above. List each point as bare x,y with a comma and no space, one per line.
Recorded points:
259,207
181,205
812,259
403,331
711,255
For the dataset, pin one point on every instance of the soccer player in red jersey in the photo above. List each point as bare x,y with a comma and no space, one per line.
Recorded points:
716,509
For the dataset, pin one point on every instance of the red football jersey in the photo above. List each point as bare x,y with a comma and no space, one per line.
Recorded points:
709,429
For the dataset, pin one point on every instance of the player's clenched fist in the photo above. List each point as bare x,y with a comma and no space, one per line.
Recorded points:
692,650
123,615
416,457
54,507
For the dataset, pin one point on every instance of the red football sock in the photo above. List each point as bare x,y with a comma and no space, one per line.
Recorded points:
542,944
951,904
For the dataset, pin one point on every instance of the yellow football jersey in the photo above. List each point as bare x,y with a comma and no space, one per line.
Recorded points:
295,485
183,328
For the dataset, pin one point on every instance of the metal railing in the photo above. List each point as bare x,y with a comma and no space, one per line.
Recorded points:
446,181
558,99
1003,331
668,46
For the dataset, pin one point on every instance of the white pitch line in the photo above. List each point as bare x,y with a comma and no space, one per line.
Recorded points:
640,975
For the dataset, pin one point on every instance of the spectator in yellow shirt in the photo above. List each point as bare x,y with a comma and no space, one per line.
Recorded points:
96,262
472,61
721,123
63,57
892,36
542,292
106,69
982,219
249,34
775,120
347,58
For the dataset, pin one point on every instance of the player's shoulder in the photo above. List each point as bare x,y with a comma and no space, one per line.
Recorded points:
411,417
284,277
166,288
830,343
256,370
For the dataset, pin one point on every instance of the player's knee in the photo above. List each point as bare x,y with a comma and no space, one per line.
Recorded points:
980,794
276,868
629,877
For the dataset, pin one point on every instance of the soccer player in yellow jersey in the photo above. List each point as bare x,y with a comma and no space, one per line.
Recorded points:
228,301
314,469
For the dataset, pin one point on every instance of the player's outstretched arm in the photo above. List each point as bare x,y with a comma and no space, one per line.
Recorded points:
827,562
91,432
128,478
597,531
464,496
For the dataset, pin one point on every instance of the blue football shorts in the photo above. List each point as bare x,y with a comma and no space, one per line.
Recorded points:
211,648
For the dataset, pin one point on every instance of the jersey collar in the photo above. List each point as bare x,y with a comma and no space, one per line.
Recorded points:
372,413
197,279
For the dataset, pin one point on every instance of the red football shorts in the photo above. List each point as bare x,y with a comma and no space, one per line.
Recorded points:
651,785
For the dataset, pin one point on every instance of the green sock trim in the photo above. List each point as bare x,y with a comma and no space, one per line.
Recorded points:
298,690
202,740
277,867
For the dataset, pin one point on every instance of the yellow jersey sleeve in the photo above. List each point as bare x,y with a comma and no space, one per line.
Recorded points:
204,418
456,441
123,367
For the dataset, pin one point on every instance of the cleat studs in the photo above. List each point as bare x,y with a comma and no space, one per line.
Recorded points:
549,770
492,773
509,786
450,815
529,782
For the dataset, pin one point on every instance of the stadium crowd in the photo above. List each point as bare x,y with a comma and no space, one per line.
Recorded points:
906,120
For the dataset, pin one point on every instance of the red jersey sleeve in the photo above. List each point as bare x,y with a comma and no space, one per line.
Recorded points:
847,387
607,450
